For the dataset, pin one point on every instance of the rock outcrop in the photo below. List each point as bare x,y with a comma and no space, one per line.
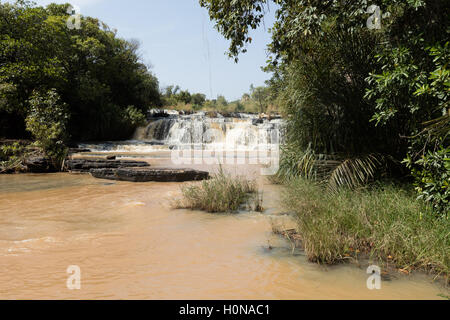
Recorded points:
149,174
39,164
85,165
78,150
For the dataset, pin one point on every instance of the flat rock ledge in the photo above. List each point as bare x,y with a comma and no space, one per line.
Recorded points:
149,174
85,165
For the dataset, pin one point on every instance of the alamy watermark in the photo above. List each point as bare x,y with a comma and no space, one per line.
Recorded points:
264,151
374,281
74,21
74,280
374,21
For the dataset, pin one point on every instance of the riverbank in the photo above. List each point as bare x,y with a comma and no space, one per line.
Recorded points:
385,224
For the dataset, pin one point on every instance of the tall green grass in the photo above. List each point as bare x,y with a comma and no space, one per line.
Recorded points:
222,193
386,223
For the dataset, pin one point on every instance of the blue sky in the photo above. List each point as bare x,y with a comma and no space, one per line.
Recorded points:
182,45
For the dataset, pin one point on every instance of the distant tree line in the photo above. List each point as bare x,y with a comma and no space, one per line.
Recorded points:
173,95
258,100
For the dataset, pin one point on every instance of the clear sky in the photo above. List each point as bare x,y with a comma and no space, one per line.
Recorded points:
182,45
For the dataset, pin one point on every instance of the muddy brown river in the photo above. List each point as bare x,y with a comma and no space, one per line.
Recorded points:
129,243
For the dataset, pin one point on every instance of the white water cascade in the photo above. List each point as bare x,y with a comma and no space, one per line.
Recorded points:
170,131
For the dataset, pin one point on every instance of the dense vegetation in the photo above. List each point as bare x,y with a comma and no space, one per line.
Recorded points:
365,90
83,83
383,223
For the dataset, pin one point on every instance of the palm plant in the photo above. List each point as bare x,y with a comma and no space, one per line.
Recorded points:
331,170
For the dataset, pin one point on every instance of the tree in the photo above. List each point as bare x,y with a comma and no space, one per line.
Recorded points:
239,107
245,97
184,96
47,122
95,73
221,102
198,99
260,95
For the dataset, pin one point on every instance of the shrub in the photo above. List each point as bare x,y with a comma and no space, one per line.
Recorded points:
12,156
222,193
47,122
133,116
432,174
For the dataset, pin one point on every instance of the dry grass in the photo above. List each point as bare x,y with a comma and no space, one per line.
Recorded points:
385,223
222,193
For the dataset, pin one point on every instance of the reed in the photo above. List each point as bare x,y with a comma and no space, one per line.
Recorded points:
385,223
221,193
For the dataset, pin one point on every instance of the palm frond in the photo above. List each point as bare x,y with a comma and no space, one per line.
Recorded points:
333,170
354,172
440,127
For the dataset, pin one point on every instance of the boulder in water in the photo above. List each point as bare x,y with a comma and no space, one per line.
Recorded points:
257,121
84,165
149,174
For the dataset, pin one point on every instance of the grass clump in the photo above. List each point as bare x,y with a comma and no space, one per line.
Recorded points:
386,223
221,193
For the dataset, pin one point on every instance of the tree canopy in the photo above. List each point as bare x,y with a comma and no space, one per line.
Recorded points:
95,73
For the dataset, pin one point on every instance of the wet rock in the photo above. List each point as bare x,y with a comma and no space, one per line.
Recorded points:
160,113
39,165
257,121
84,165
149,174
154,143
78,150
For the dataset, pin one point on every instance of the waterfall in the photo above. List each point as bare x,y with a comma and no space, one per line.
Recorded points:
168,131
245,132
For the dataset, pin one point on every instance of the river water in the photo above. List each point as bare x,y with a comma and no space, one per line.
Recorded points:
130,243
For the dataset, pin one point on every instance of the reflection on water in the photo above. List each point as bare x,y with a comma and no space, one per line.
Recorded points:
130,244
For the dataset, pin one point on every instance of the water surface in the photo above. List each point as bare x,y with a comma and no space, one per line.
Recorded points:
131,244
